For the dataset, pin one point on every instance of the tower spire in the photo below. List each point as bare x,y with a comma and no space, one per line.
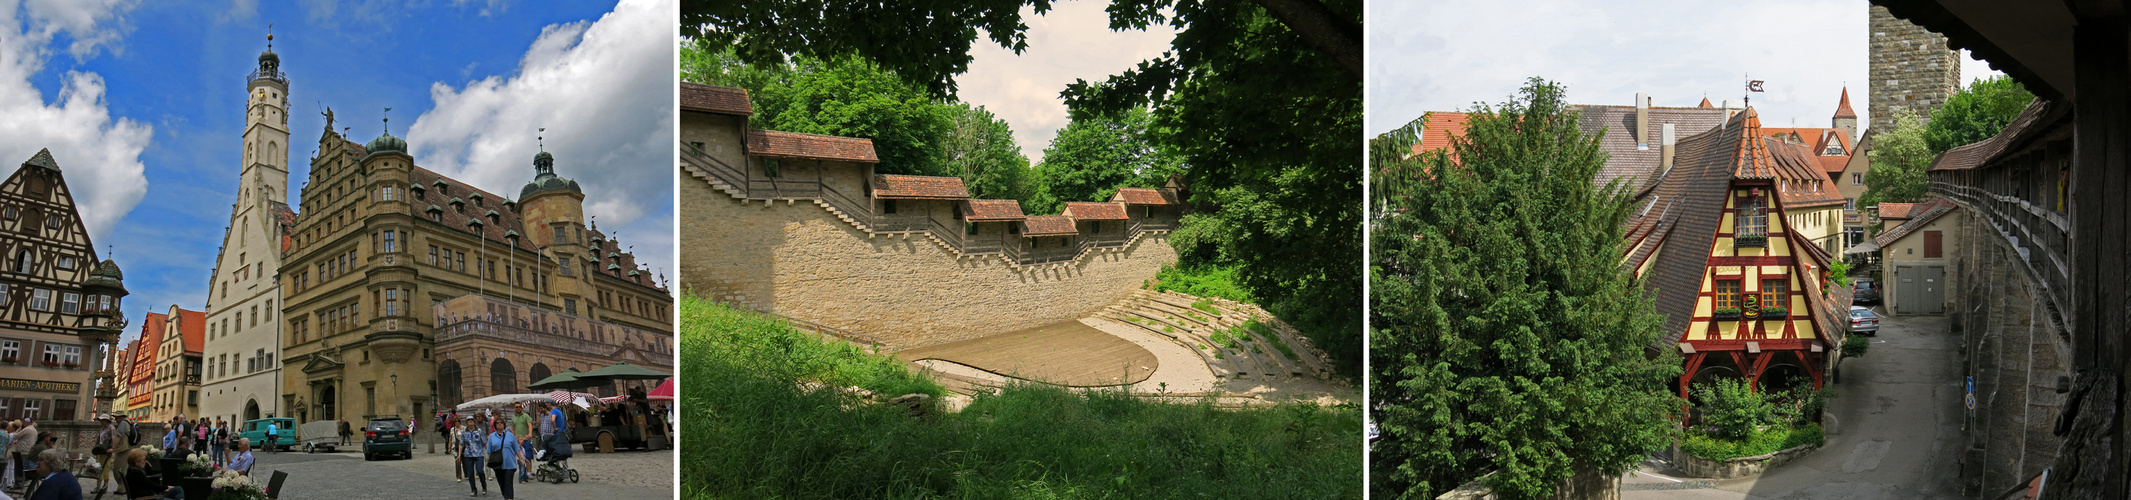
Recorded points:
388,121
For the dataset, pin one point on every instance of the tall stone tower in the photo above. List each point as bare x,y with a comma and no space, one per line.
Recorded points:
241,359
1912,69
554,212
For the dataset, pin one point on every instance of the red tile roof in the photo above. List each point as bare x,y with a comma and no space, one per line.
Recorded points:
193,326
1438,127
1895,210
286,218
919,187
1842,110
1048,225
992,210
1145,196
810,146
1923,214
715,99
1089,210
1705,103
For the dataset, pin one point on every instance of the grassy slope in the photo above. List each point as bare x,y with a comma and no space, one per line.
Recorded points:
748,431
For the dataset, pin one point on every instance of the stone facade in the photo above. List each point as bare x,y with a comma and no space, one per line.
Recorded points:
382,243
2020,360
242,371
488,346
1912,69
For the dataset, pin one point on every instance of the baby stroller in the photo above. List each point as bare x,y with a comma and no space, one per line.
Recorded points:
554,460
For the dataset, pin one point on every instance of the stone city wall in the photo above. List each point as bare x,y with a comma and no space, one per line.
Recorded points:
2019,357
798,260
1911,69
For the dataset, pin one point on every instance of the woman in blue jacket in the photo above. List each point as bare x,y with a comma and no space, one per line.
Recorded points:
473,449
502,440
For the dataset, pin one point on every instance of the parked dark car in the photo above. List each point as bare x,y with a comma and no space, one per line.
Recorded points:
1867,292
387,436
1863,321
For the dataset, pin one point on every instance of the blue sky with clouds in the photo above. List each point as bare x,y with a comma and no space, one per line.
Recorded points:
142,104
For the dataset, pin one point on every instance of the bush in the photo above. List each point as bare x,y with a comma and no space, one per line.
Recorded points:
749,431
1204,280
747,338
1854,346
1730,408
1758,442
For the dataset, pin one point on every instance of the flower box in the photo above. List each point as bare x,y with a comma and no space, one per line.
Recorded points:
1750,241
1776,312
1724,313
51,364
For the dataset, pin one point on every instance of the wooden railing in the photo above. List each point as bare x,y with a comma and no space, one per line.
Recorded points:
2039,235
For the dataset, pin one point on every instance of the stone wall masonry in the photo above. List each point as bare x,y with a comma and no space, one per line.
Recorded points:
1911,69
2017,357
1693,466
796,259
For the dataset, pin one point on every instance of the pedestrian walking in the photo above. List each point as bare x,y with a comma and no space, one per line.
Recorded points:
273,435
508,451
344,432
520,423
219,447
451,447
105,441
473,450
7,446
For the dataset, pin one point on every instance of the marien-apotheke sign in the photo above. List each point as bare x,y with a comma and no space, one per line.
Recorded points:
16,384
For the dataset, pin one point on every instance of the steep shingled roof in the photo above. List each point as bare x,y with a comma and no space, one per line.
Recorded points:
992,210
1618,125
285,217
919,187
810,146
2020,130
192,325
1438,127
1090,210
1842,109
1896,210
1145,196
1048,225
1679,223
715,99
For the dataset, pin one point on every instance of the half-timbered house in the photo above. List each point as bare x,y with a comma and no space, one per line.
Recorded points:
1745,291
59,305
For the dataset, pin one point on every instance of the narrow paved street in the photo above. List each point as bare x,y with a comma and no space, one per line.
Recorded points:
1897,430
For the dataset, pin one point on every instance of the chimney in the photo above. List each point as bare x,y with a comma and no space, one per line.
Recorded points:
1642,122
1665,150
1733,107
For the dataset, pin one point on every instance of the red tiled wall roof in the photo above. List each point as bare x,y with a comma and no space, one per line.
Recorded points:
810,146
715,99
919,187
1049,225
1088,210
1145,196
993,210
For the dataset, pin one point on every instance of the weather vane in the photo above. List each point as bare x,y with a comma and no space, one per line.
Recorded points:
1752,86
269,37
388,121
543,139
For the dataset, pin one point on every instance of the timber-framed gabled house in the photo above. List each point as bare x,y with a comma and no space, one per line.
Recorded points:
59,304
1746,292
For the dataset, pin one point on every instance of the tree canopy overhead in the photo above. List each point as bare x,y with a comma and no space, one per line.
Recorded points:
1975,113
1095,155
1505,337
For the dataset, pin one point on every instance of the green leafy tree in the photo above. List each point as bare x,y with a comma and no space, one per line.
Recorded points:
1899,159
1732,408
1975,113
1505,338
982,151
1258,97
1093,156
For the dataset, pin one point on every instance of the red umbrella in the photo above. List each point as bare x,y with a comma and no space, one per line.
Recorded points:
664,391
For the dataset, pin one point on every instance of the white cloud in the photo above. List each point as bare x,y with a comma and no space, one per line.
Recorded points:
1072,41
604,91
1443,56
99,153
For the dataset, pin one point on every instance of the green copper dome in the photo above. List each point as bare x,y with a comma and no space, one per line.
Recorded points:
106,275
385,143
545,180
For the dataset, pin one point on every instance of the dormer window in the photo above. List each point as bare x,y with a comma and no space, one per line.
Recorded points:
478,200
417,189
458,205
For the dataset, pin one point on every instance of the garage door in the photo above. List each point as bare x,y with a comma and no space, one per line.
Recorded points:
1920,289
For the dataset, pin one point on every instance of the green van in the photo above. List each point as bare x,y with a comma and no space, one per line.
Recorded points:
255,430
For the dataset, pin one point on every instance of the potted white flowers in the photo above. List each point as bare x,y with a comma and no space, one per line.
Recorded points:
230,485
195,473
